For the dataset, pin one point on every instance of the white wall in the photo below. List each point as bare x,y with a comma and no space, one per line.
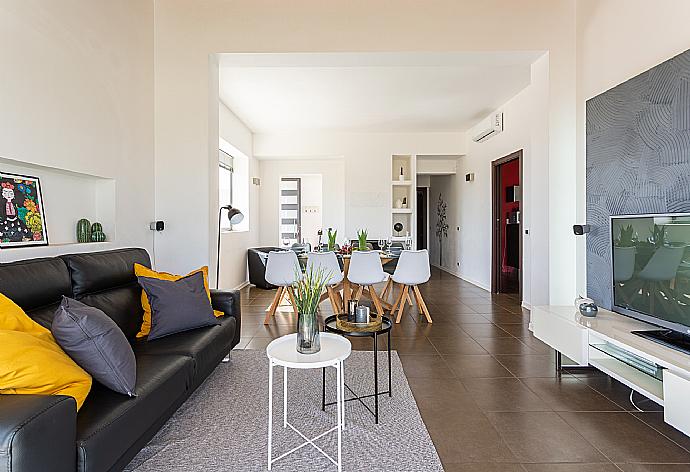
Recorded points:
186,33
332,179
525,127
617,40
234,244
77,96
365,172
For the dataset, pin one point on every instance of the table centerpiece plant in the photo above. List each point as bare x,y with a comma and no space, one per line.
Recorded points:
307,295
331,239
362,238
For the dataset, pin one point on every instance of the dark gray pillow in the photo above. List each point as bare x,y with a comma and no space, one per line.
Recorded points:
97,344
178,305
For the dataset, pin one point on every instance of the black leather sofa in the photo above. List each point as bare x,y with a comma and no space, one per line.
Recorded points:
45,433
256,260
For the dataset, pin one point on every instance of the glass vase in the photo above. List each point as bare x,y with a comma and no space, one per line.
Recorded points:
308,334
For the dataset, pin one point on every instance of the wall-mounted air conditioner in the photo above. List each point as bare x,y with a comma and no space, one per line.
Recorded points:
490,127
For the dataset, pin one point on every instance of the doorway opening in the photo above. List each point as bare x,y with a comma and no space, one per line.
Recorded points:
422,217
300,209
506,259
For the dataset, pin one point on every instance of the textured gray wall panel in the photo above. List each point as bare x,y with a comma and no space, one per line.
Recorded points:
638,158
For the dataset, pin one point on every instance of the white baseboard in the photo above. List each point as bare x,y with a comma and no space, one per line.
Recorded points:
461,276
242,285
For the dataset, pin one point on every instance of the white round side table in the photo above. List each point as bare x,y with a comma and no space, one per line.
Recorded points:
283,352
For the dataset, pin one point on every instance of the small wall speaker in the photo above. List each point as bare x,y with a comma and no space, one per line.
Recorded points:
157,225
579,230
469,177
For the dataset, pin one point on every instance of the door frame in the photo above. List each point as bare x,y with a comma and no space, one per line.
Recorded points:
426,208
496,218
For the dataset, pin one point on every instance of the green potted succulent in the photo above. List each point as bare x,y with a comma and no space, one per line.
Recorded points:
331,239
362,238
307,295
626,237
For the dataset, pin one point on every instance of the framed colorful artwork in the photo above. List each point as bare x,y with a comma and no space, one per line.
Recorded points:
22,219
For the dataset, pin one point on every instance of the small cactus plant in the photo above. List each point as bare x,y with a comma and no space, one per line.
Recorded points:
98,236
83,231
96,227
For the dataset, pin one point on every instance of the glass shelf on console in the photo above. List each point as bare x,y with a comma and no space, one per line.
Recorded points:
643,365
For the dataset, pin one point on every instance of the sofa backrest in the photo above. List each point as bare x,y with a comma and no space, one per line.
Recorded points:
105,280
36,285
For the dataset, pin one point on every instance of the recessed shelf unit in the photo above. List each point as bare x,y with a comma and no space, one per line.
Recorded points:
403,195
67,197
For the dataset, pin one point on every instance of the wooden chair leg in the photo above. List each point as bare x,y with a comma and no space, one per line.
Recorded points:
274,305
360,289
386,290
346,293
421,303
376,300
291,294
405,293
332,296
339,301
398,299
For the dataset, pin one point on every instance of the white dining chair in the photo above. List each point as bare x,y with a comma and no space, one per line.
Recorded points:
623,271
365,271
282,270
412,270
658,274
328,262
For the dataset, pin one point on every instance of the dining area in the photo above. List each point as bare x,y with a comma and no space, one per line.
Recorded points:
352,276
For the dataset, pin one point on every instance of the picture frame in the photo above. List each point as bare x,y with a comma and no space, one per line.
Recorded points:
22,214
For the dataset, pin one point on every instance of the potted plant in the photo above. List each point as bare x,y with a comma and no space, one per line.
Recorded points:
362,238
331,239
307,293
659,235
626,237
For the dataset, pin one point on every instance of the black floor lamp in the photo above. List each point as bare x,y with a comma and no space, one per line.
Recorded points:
235,216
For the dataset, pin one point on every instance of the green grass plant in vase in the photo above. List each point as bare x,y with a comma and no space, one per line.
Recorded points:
331,239
362,237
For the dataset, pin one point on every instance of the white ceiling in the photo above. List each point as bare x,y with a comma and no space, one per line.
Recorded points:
373,92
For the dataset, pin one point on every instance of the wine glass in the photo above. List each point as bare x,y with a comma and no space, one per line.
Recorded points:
382,244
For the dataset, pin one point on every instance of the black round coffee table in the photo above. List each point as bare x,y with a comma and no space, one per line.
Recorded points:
384,328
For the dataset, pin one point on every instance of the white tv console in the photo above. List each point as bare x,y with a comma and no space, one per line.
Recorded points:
606,342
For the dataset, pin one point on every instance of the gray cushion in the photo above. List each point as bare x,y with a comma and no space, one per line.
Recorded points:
96,343
178,305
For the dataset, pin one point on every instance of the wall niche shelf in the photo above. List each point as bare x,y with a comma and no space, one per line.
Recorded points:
403,190
67,196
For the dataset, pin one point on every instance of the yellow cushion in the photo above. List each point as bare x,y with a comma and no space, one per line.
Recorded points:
13,318
142,271
31,362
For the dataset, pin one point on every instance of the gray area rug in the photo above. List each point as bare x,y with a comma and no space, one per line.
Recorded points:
223,425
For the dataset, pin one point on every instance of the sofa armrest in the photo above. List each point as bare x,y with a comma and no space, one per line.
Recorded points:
37,433
228,301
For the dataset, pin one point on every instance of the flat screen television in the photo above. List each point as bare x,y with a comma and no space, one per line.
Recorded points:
651,269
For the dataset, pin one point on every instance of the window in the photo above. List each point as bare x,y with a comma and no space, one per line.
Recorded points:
290,210
233,183
225,178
